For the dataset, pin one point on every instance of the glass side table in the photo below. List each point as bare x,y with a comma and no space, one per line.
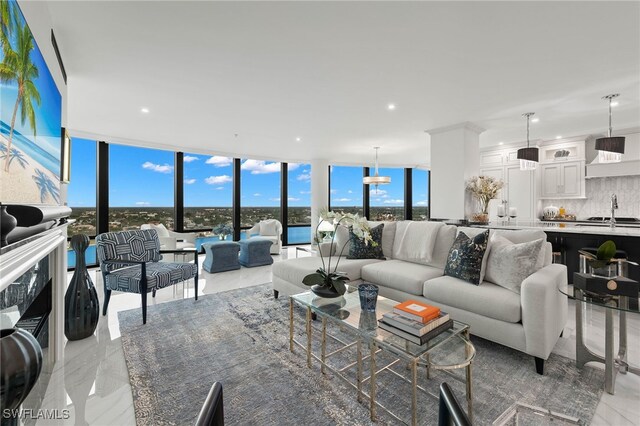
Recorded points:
612,304
524,414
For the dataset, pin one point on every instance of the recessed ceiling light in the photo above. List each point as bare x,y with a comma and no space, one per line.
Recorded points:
558,137
391,107
144,110
298,139
535,120
613,104
500,143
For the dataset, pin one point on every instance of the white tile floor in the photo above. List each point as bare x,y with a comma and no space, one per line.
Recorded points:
93,383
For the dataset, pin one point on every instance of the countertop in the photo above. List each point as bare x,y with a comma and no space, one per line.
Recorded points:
568,227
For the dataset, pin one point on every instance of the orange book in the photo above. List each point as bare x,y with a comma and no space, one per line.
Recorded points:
417,311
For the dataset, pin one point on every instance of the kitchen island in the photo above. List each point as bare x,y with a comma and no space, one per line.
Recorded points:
569,237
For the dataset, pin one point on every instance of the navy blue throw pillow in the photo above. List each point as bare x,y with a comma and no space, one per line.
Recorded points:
359,250
465,257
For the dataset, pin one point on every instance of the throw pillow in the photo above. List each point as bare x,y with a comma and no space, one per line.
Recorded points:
465,257
414,241
341,239
269,228
162,231
509,264
359,250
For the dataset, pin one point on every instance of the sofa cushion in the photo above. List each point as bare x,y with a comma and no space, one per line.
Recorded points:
362,249
388,235
414,241
444,241
294,270
509,264
400,275
466,257
524,236
341,240
486,299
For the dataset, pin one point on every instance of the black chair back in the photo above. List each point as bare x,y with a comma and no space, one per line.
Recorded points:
212,413
450,412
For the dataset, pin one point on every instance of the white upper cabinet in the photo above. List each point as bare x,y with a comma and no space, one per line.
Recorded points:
564,180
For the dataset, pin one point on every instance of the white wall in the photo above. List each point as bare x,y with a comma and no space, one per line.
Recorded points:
319,191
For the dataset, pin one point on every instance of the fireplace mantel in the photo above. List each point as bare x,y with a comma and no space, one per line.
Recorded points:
18,258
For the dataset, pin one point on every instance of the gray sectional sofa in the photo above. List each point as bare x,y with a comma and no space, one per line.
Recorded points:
530,321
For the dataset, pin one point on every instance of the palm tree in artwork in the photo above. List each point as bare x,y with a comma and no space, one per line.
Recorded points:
8,22
17,67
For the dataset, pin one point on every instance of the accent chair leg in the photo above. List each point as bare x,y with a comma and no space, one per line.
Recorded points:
153,294
195,260
276,293
107,296
144,307
539,365
314,317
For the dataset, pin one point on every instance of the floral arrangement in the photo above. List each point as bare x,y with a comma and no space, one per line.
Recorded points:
325,279
484,189
222,229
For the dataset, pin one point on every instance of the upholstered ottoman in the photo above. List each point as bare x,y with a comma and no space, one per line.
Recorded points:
221,256
255,252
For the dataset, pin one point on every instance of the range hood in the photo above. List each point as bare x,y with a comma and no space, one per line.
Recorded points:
629,166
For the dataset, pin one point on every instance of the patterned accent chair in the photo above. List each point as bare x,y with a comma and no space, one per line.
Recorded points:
271,229
130,262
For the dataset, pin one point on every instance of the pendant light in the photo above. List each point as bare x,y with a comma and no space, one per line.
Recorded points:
528,156
611,148
376,179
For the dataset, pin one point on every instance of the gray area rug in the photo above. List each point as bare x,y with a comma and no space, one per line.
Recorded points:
240,338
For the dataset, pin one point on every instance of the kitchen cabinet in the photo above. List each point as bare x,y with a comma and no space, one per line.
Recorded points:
562,180
518,191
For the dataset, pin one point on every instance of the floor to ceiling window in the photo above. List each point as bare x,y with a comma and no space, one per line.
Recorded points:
208,192
387,201
260,191
140,187
299,203
420,194
346,189
81,195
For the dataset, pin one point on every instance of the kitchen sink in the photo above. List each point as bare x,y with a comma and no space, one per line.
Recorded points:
606,225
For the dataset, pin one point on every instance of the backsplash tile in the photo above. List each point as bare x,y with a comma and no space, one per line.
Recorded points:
598,202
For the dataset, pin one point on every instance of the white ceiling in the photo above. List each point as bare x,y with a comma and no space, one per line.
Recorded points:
325,72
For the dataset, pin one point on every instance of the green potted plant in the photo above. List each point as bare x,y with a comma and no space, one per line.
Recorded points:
600,264
327,281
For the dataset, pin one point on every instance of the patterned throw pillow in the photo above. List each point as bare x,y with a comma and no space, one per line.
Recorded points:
465,257
359,250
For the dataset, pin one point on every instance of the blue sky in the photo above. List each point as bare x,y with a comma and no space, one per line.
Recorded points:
142,177
48,114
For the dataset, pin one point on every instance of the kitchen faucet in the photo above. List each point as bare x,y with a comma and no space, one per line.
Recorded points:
614,207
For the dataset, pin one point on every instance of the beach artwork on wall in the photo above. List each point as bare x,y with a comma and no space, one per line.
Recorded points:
30,116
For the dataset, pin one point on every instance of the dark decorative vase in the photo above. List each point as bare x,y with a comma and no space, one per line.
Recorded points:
325,291
7,224
21,356
81,305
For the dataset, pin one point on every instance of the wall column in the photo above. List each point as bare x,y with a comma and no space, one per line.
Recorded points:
319,191
455,157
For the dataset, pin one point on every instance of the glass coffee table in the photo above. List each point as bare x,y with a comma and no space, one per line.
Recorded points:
450,350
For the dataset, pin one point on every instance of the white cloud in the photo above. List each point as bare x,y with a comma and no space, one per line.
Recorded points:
304,177
334,191
349,192
219,161
257,194
274,199
143,203
259,167
379,193
189,158
422,203
305,192
292,166
343,199
293,199
217,180
394,201
220,188
160,168
189,181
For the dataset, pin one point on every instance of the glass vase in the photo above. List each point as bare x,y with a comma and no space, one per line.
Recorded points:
608,271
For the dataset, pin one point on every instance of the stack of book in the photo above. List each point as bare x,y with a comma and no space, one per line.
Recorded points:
416,321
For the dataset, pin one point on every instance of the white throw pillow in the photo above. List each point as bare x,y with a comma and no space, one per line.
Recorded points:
161,230
341,239
414,241
524,236
269,228
509,264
